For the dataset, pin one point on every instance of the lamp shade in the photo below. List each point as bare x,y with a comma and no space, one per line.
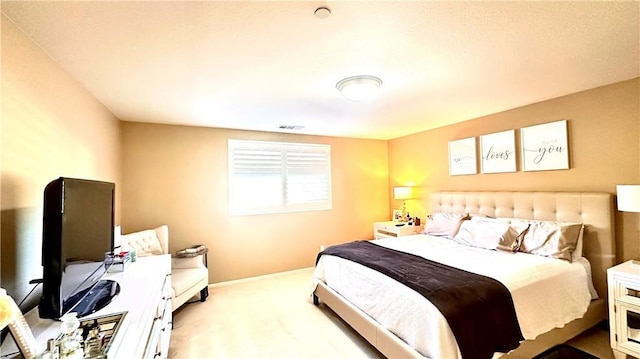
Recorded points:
628,198
402,193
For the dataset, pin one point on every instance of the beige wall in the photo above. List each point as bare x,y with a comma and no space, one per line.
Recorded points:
51,127
178,175
604,144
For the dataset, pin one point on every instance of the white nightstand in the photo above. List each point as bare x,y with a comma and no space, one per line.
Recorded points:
623,282
389,229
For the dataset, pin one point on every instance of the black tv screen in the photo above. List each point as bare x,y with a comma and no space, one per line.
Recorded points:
78,227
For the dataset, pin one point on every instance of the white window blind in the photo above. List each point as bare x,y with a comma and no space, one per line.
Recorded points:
272,177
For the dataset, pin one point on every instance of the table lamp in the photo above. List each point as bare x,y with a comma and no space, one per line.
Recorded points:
629,201
628,198
403,193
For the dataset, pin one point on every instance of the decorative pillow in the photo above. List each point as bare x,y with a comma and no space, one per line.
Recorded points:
488,235
549,238
483,218
577,253
444,224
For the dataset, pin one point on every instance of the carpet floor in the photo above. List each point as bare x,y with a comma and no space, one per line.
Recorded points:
273,317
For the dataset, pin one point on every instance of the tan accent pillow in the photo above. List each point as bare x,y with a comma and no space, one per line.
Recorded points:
577,253
549,238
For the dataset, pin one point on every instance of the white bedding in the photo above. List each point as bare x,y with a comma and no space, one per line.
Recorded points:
547,293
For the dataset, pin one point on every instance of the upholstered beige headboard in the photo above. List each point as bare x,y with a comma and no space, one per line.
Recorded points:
594,209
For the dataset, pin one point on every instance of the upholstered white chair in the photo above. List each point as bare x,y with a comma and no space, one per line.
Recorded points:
188,275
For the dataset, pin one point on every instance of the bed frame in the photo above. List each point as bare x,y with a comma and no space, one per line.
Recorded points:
594,209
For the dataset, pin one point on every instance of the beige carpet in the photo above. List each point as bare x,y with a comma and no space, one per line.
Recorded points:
272,317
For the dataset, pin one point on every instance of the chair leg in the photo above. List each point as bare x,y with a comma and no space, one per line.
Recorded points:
204,293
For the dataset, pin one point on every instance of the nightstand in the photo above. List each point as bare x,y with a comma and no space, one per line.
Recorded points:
623,282
389,229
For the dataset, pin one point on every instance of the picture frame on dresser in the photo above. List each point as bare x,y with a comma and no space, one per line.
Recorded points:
396,216
21,333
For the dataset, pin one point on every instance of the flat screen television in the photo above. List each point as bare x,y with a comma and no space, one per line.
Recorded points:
78,229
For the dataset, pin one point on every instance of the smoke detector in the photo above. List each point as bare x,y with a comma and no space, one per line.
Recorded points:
322,12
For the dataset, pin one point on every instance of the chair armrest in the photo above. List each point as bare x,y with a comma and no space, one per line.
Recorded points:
187,262
162,233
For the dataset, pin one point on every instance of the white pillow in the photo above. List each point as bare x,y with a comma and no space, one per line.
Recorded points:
488,235
444,224
490,219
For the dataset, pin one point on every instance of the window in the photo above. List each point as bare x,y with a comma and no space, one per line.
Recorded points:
273,177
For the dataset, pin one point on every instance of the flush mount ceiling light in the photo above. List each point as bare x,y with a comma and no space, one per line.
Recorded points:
359,88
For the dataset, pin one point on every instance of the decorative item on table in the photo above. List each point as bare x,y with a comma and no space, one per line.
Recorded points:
117,262
403,193
11,316
418,226
70,340
7,309
52,351
397,215
99,333
87,339
192,251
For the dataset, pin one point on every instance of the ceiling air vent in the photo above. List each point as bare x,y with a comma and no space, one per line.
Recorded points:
290,127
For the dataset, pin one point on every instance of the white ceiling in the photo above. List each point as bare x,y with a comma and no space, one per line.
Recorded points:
258,65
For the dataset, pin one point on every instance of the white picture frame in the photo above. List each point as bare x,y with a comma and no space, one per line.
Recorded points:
462,157
21,333
397,215
498,152
545,147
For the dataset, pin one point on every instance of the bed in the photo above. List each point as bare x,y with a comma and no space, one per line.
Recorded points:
594,210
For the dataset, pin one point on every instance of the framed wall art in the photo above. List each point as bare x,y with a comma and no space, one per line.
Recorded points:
498,152
462,157
545,147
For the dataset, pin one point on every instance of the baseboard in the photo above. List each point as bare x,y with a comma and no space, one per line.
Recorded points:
251,279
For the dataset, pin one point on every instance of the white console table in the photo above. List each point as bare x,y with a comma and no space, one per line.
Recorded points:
145,294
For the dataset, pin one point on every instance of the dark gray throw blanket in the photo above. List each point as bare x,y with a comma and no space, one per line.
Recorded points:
479,309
